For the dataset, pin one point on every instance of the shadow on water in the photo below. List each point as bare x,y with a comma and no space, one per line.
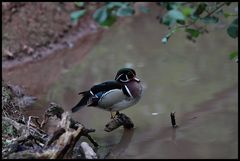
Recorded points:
120,148
197,81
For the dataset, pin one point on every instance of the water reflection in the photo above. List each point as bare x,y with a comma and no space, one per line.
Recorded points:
121,147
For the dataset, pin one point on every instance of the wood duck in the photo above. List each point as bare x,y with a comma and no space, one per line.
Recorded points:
115,95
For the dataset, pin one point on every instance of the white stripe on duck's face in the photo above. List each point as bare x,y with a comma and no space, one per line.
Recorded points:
118,78
126,75
123,78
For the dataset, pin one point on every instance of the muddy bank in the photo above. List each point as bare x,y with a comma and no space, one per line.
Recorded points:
42,73
32,30
38,34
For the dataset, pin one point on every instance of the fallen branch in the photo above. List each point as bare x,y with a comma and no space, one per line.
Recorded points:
88,151
56,146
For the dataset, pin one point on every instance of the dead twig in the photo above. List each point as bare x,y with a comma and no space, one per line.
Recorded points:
173,121
53,110
54,137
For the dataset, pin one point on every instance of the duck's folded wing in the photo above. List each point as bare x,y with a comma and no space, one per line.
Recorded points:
105,86
100,90
109,85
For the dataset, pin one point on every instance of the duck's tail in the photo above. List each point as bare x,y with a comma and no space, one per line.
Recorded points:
83,102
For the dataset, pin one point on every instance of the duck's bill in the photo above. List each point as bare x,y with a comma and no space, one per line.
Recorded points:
136,79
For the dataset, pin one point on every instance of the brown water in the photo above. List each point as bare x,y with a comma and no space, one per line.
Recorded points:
197,81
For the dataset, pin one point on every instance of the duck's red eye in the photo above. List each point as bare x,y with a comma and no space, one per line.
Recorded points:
130,75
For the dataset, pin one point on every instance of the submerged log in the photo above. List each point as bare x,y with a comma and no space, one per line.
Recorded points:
120,120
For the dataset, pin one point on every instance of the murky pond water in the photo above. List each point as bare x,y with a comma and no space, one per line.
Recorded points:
197,81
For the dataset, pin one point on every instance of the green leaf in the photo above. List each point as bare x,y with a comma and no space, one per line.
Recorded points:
194,33
100,15
111,5
187,11
171,17
144,9
233,29
79,4
109,21
77,14
125,11
175,14
210,19
233,55
201,7
104,17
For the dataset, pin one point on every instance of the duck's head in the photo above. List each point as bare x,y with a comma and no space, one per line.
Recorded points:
126,75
